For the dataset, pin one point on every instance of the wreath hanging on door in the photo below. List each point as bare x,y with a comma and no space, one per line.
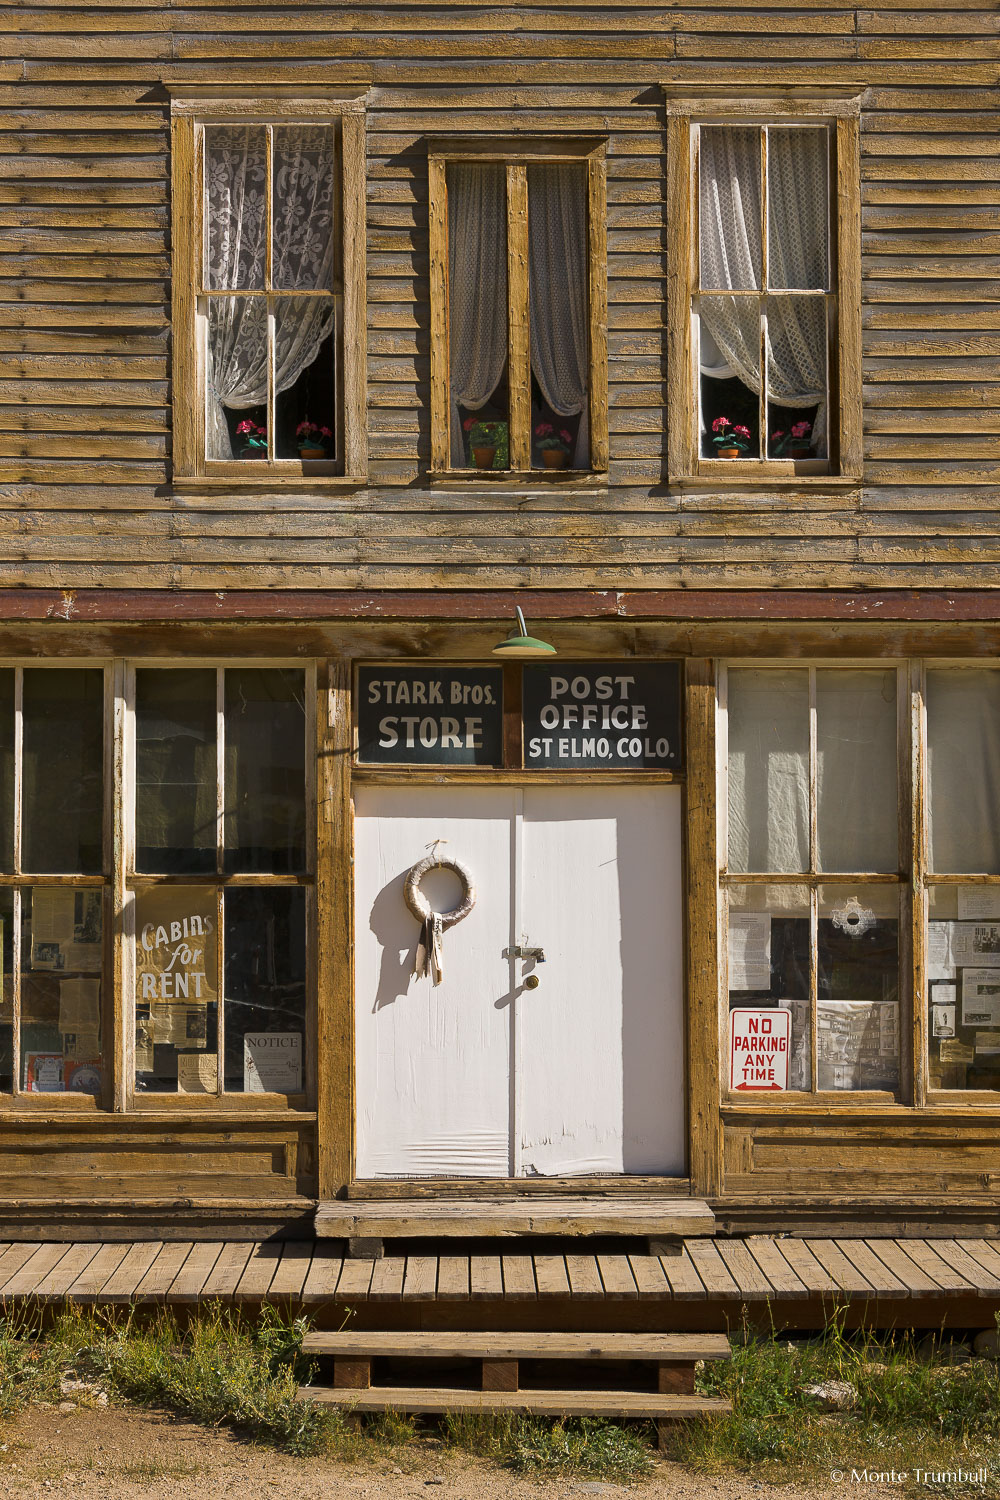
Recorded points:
430,956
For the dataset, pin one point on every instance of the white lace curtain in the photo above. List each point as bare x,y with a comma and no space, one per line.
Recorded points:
301,259
557,291
730,249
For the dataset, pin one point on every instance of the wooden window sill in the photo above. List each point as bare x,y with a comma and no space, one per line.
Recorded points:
269,481
520,479
731,478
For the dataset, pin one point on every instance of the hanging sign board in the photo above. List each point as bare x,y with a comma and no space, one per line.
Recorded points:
759,1041
603,715
430,716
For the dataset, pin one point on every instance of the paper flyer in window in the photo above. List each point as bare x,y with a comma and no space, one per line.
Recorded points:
987,1043
976,943
799,1071
179,1025
175,950
940,964
857,1044
197,1073
81,1046
52,924
85,951
749,950
272,1062
83,1077
956,1052
943,1020
979,903
144,1062
980,997
43,1073
79,1004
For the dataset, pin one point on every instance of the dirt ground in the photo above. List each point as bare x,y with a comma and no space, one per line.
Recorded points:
131,1454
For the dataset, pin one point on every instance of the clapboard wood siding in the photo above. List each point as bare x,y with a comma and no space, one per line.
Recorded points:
85,359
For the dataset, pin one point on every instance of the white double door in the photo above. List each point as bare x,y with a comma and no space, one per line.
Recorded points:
481,1075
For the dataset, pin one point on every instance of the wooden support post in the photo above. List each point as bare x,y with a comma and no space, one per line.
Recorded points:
500,1375
334,955
671,1246
365,1247
352,1374
675,1379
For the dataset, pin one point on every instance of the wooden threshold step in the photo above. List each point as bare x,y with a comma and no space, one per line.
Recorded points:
376,1219
523,1403
672,1347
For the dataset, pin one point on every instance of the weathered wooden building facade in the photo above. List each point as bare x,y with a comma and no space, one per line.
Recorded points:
330,334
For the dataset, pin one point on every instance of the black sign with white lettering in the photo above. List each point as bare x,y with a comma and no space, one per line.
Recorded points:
430,716
603,715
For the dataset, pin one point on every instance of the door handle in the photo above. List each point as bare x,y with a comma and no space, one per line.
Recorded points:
536,955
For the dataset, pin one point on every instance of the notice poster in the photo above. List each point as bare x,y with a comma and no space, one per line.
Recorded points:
976,943
83,1077
43,1073
272,1062
749,950
79,1004
980,997
66,929
956,1052
979,903
758,1049
176,960
799,1069
943,1020
179,1025
987,1043
940,964
144,1062
197,1073
81,1046
857,1044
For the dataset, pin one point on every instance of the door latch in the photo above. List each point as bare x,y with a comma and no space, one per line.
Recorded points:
535,954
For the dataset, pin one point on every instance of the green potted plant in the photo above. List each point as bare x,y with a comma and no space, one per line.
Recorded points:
312,439
554,444
485,440
795,443
731,441
254,439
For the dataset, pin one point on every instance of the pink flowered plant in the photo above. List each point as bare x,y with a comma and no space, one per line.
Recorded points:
795,441
730,435
550,438
253,435
311,435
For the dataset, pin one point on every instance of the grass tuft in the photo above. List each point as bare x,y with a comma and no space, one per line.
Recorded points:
583,1445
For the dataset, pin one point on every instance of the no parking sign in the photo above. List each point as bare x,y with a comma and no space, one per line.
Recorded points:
759,1043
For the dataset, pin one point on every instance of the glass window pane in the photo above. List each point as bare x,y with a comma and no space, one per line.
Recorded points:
477,316
963,986
558,261
236,394
176,969
305,405
857,1010
796,377
856,771
265,990
769,962
729,361
175,772
768,771
798,214
235,172
303,207
63,780
62,959
265,810
963,755
729,219
6,771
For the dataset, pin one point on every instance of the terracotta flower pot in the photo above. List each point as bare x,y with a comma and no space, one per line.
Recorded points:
308,451
554,458
727,452
484,457
253,453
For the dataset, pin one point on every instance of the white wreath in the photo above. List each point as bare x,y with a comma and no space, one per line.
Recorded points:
417,901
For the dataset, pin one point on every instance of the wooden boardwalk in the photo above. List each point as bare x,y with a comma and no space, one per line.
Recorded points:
709,1275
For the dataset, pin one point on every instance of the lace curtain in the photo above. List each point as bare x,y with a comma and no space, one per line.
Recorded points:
301,256
477,290
730,249
557,293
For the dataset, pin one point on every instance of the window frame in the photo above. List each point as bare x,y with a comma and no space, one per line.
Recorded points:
844,425
516,157
190,113
903,879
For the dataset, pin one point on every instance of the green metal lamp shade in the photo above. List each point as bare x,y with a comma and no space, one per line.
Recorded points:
519,643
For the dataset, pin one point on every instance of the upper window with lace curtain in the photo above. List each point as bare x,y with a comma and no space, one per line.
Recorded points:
263,298
767,318
518,340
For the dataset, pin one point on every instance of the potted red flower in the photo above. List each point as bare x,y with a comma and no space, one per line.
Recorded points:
484,440
731,440
795,443
554,444
254,439
312,439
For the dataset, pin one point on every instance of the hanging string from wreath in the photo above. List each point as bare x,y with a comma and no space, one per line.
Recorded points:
433,924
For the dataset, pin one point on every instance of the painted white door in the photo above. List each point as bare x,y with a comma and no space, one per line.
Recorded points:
483,1076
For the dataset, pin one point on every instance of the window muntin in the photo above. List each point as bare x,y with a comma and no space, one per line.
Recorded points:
764,300
222,757
519,344
825,949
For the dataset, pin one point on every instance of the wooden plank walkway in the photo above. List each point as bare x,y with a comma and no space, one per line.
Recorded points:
758,1269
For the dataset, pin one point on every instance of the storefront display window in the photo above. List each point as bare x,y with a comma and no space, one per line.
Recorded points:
812,791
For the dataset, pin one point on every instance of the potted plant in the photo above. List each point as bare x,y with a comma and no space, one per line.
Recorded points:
254,440
312,439
485,438
795,443
731,441
555,445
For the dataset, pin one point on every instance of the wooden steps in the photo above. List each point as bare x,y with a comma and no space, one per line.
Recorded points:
365,1223
500,1355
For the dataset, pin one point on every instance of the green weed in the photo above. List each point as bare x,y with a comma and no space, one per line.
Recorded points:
532,1445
